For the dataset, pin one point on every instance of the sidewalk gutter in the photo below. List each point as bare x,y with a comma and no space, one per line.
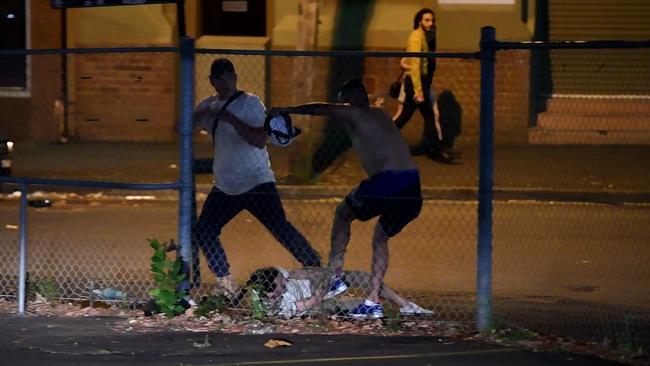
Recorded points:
339,192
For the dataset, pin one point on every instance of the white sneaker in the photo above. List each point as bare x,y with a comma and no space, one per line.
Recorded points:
190,301
337,287
368,310
413,309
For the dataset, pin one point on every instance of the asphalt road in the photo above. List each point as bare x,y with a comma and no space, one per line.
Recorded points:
91,341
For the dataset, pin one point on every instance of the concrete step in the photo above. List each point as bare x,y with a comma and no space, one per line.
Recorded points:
563,121
599,106
545,136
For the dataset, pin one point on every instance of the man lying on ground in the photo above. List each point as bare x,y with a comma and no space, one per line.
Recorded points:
310,290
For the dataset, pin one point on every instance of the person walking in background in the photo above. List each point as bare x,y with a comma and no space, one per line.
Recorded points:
242,173
417,86
401,96
392,190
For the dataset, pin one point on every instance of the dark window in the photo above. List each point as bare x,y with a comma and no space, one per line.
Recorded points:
234,18
12,27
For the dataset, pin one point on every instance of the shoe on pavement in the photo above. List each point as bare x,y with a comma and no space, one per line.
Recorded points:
441,157
414,309
367,310
337,287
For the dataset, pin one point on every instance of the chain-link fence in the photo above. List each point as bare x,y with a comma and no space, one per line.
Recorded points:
570,233
420,261
569,221
115,121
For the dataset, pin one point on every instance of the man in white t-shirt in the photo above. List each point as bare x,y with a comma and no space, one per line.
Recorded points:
242,173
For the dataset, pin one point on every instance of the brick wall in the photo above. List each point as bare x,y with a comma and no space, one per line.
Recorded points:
123,97
461,77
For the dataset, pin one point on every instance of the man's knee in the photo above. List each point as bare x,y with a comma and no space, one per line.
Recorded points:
344,212
380,236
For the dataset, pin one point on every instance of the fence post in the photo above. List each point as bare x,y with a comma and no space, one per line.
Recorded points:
486,168
22,260
186,190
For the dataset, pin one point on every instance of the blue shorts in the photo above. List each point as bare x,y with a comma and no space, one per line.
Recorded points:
392,195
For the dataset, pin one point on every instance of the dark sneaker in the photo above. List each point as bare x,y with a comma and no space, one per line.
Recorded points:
441,157
417,150
367,310
337,287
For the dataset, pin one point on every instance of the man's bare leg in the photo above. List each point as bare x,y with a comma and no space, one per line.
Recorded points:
340,238
436,120
363,281
379,262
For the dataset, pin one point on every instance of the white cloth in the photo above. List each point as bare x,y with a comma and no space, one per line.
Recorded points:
239,166
296,290
282,271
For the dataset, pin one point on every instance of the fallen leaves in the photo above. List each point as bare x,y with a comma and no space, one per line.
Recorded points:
278,342
232,322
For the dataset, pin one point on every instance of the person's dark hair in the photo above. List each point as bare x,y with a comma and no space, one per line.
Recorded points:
263,279
354,88
219,66
418,16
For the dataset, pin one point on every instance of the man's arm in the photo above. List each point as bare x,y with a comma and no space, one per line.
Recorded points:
255,136
414,44
319,282
204,114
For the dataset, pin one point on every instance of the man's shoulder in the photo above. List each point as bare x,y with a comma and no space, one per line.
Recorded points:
250,96
416,34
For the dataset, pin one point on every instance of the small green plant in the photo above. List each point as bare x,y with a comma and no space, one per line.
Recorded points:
517,335
30,287
496,324
48,289
212,303
167,275
257,305
625,339
392,320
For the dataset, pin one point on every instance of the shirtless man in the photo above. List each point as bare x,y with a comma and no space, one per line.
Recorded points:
391,192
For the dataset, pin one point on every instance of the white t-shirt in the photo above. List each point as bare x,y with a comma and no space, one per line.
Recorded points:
239,166
297,290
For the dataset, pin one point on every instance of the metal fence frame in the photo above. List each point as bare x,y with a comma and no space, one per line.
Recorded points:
489,47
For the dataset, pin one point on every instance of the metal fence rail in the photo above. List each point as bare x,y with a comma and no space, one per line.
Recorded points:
568,252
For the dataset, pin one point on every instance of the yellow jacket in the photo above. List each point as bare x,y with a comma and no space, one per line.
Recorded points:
417,42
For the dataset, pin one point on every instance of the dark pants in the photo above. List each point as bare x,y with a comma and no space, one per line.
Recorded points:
429,134
263,202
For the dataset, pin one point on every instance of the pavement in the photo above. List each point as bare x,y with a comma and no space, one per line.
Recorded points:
610,174
52,341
